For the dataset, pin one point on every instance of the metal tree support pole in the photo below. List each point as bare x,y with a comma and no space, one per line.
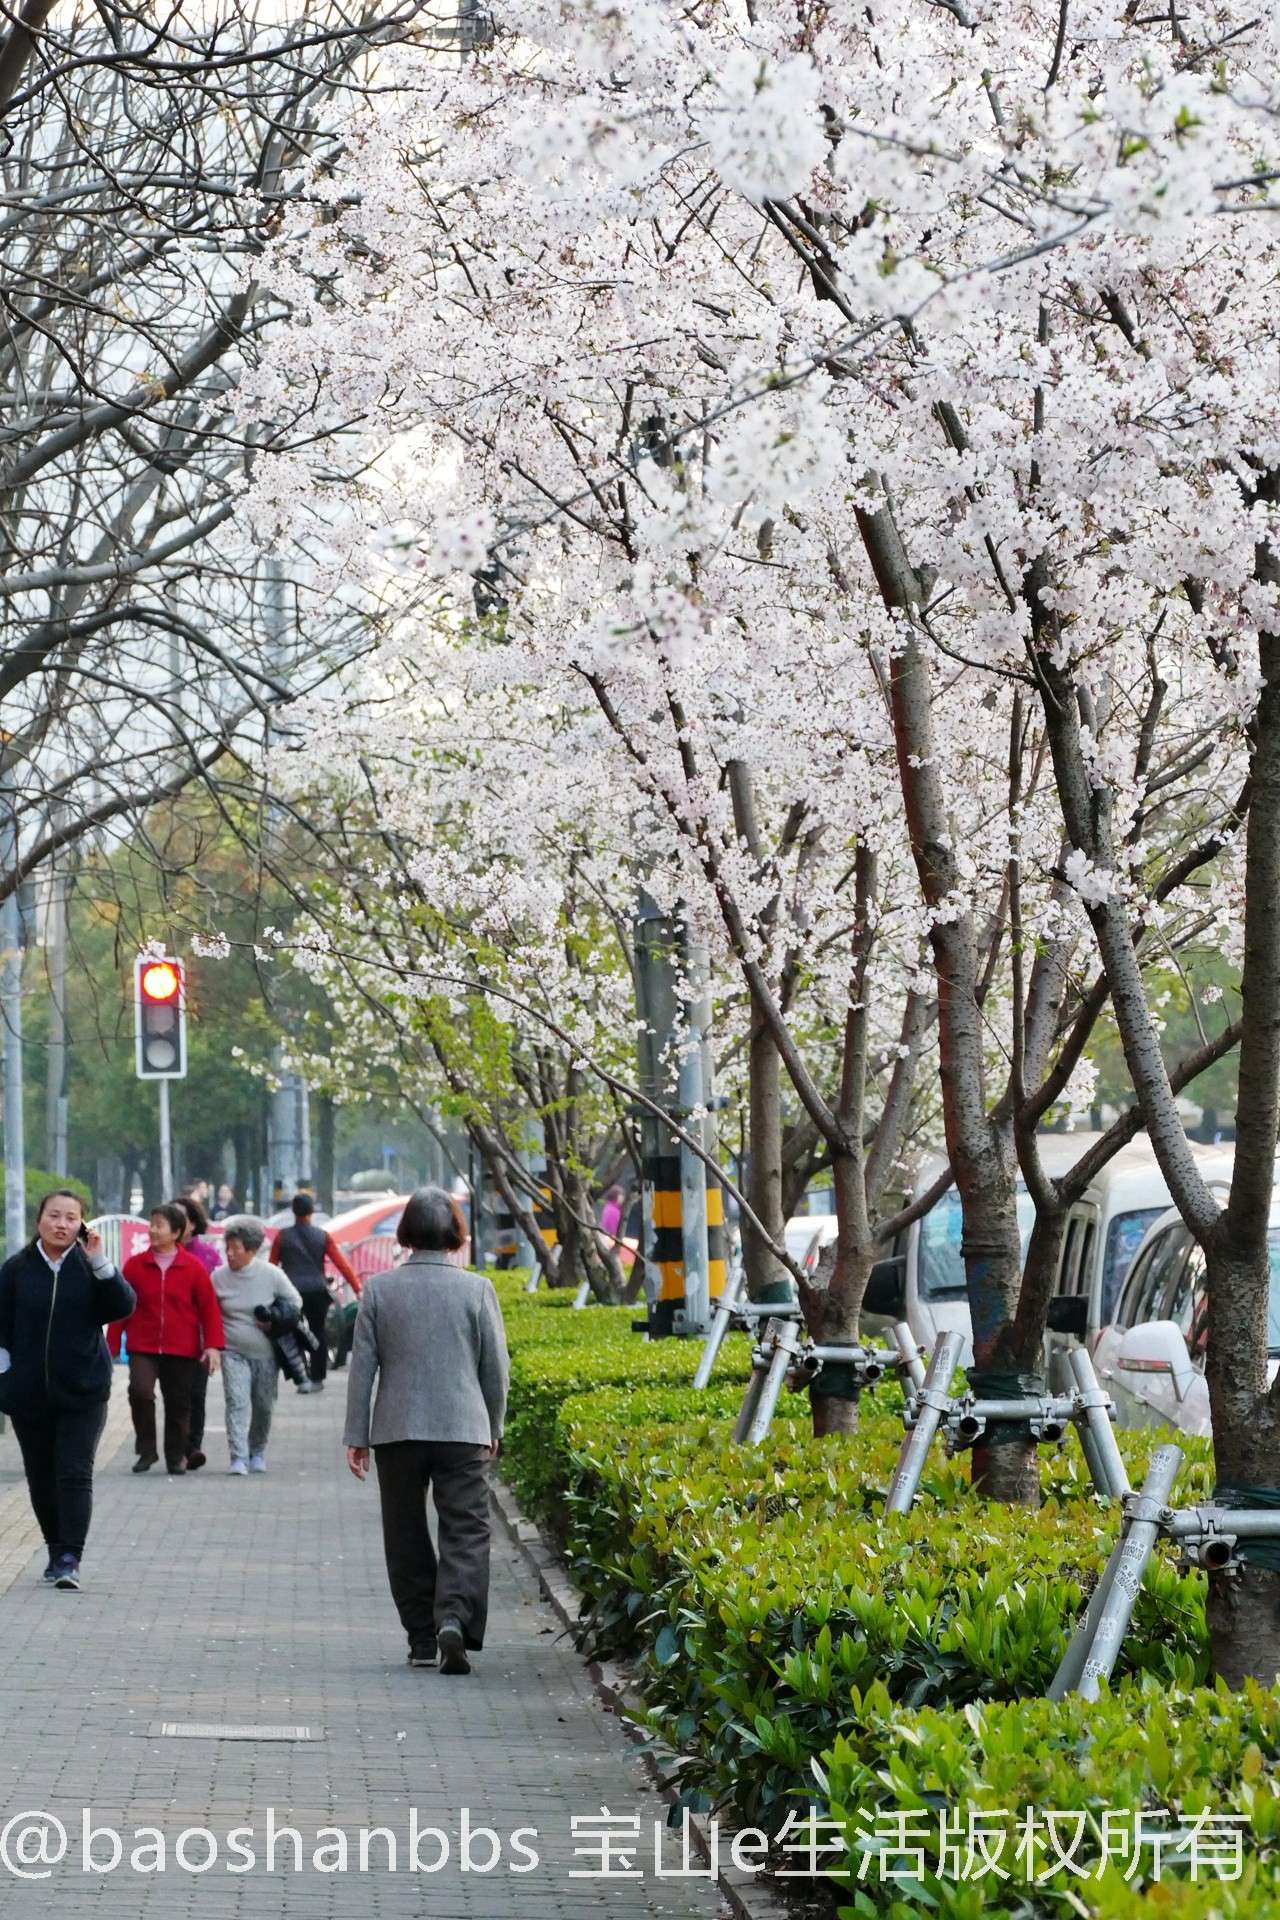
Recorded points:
783,1336
910,1358
751,1398
1096,1644
583,1294
1093,1423
931,1404
721,1321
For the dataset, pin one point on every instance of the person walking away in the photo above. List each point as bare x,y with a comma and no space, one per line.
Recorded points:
301,1250
195,1240
173,1332
56,1296
245,1282
430,1334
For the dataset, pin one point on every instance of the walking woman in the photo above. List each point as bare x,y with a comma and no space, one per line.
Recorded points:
301,1250
249,1372
431,1335
56,1296
195,1240
175,1329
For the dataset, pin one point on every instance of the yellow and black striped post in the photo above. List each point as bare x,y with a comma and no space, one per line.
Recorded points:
664,1208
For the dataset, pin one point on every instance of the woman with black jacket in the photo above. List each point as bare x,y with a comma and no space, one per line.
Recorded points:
56,1296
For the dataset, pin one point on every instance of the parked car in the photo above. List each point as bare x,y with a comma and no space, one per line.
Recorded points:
1150,1358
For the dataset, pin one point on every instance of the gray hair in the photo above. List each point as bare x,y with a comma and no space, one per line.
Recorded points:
249,1231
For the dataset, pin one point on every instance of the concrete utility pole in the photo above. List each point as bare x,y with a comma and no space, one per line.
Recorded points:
683,1249
287,1143
15,1165
55,943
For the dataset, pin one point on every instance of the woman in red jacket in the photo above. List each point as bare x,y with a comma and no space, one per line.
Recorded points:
174,1331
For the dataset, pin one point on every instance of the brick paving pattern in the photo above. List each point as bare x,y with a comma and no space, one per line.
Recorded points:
264,1601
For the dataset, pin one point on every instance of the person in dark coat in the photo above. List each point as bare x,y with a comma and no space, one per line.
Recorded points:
431,1335
301,1252
56,1296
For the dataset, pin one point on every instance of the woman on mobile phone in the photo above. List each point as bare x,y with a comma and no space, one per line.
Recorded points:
56,1295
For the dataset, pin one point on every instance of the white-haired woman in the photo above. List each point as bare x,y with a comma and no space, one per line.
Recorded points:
246,1284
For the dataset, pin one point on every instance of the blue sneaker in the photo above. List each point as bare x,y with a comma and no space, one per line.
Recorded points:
67,1574
50,1573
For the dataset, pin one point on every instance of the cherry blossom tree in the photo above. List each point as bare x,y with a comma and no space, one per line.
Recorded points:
917,356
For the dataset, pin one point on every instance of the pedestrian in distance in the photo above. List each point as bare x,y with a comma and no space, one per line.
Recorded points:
56,1296
430,1334
245,1283
225,1205
173,1332
195,1240
302,1250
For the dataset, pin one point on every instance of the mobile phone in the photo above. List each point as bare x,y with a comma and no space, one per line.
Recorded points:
84,1230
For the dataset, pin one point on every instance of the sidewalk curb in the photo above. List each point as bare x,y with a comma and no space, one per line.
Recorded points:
746,1896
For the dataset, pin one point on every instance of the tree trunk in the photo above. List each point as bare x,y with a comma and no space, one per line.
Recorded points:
980,1150
1244,1625
766,1276
833,1302
1244,1615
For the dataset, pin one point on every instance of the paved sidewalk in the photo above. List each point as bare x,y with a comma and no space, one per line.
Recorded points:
263,1602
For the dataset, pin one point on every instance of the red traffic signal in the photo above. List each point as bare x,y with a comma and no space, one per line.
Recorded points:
160,1017
161,980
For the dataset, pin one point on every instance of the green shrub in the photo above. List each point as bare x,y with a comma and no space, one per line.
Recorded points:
1168,1757
798,1647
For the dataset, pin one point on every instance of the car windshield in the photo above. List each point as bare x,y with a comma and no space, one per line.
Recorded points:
941,1269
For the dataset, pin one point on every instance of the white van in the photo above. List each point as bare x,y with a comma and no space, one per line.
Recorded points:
923,1282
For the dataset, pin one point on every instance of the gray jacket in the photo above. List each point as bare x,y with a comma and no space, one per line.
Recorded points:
256,1285
432,1334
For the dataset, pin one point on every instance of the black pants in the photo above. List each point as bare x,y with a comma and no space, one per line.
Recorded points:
195,1426
425,1591
315,1307
58,1447
174,1375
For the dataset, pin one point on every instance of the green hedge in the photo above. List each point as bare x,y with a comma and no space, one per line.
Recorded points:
800,1649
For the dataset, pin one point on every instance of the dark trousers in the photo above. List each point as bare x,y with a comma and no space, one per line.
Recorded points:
174,1375
315,1308
57,1448
195,1426
426,1591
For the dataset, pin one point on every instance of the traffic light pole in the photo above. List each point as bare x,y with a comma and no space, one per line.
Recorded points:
166,1143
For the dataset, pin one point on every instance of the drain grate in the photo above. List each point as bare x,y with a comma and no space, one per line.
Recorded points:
213,1730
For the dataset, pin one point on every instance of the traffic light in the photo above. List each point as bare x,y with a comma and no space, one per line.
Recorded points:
159,998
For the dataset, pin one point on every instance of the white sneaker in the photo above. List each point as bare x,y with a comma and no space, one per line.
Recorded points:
238,1466
257,1463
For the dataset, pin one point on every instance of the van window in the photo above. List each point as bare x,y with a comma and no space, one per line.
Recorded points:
1076,1265
940,1268
1149,1277
1124,1237
1185,1299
